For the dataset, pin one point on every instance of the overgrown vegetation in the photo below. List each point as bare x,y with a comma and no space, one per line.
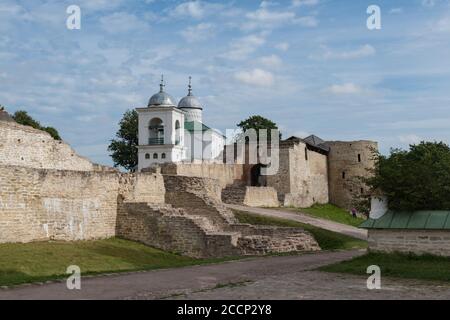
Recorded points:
333,213
42,261
327,240
417,179
23,118
397,265
123,149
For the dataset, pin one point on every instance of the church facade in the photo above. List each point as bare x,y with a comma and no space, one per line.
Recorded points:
175,133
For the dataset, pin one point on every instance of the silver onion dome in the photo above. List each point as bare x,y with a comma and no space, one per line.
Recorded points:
190,102
161,98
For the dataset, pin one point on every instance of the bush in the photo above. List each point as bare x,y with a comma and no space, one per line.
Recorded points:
23,118
418,179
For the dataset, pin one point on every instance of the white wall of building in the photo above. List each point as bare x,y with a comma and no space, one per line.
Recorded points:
173,146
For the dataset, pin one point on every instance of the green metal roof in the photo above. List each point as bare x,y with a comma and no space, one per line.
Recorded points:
431,220
195,126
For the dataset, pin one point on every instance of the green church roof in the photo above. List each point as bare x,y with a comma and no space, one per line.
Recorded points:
193,126
431,220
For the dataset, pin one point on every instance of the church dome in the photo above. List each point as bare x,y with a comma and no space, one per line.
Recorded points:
161,98
190,102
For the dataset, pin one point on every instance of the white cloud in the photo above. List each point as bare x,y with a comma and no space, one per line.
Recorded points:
442,25
364,51
428,3
272,61
346,88
195,9
199,32
299,3
396,11
243,47
122,22
257,77
264,18
98,5
282,46
410,139
267,4
308,21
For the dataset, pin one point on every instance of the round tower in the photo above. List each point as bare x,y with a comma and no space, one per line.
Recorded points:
347,161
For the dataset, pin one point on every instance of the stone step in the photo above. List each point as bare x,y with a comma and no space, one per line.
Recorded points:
203,222
234,194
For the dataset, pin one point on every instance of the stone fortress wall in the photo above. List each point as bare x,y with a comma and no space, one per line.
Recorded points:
27,147
41,199
302,179
42,204
305,177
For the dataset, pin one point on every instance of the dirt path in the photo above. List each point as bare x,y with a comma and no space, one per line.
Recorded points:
171,282
286,277
303,218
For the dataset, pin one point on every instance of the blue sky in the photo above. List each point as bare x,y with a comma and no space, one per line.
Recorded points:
312,66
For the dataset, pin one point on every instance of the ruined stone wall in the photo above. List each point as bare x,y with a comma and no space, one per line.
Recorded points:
436,242
346,162
28,147
225,173
282,180
261,197
301,180
37,204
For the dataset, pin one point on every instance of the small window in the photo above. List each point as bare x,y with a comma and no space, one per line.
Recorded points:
359,157
343,175
362,190
163,156
147,156
306,154
155,156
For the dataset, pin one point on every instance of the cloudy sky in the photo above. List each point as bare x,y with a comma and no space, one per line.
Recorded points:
312,66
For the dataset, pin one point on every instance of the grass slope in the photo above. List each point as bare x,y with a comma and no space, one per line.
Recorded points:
331,212
328,240
41,261
397,265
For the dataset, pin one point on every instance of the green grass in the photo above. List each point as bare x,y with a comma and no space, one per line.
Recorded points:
397,265
328,240
330,212
42,261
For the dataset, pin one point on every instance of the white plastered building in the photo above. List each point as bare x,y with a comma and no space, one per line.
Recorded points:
170,133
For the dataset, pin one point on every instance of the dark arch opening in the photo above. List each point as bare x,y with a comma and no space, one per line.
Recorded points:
256,178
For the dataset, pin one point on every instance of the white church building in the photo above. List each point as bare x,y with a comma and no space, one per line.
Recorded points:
171,133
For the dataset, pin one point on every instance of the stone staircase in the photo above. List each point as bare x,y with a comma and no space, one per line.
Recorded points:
176,230
196,224
234,193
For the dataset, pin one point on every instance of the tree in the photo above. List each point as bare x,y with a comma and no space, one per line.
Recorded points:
257,123
418,179
124,148
23,118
